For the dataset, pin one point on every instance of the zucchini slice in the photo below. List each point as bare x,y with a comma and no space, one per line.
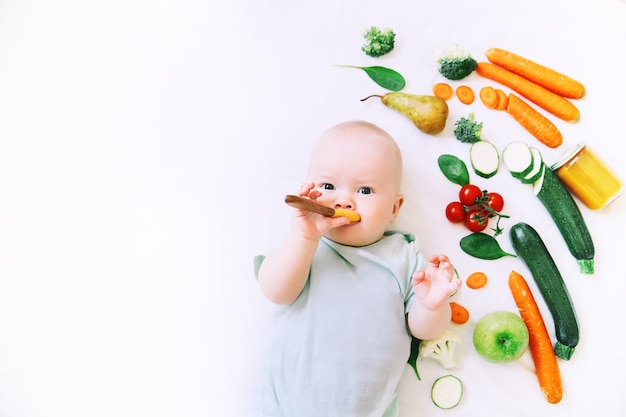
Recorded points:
518,159
537,169
539,182
447,392
485,158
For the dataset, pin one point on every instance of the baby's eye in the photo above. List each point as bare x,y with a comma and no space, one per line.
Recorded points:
327,186
365,190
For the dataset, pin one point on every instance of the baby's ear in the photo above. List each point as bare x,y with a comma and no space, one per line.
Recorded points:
396,206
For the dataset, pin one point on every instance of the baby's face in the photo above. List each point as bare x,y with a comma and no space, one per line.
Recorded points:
359,170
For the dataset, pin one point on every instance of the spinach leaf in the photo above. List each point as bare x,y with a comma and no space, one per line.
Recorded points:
454,169
415,347
384,77
483,246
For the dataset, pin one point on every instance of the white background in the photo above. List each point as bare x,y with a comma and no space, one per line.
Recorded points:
145,147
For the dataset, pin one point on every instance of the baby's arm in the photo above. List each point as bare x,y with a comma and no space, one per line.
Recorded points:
284,272
430,313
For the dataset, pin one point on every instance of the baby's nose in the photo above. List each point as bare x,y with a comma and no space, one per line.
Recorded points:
344,204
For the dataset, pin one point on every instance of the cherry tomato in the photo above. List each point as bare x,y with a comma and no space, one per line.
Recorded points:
495,201
469,193
455,212
476,220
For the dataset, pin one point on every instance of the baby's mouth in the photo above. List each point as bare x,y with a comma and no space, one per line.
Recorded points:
351,224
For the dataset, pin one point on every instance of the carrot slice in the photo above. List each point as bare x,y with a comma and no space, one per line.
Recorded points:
476,280
460,315
539,342
534,122
465,94
503,100
553,80
489,97
443,91
544,98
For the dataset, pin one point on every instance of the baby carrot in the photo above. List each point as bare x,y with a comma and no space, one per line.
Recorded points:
460,315
489,97
553,80
443,91
534,122
544,98
476,280
503,99
465,94
539,343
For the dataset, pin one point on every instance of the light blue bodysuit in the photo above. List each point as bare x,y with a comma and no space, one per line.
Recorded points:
342,346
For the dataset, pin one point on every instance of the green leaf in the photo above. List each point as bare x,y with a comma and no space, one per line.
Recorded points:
483,246
384,77
454,169
415,345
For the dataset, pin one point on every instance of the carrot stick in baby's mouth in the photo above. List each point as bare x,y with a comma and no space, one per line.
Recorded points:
310,205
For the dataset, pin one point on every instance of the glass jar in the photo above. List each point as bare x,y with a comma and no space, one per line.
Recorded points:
588,177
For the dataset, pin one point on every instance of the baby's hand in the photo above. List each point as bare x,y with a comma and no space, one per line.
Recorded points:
435,285
312,225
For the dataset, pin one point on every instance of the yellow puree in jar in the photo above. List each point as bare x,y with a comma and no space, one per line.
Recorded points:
590,179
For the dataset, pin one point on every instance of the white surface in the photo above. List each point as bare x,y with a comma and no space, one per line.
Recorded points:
145,148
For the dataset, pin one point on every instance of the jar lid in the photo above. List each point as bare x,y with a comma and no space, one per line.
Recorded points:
567,155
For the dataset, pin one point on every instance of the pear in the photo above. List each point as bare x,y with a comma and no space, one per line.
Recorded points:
428,113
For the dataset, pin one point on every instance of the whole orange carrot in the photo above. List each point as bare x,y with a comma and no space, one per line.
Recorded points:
534,122
553,80
544,98
539,343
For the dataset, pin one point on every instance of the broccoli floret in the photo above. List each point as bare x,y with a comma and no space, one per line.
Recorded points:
441,349
379,41
456,64
468,129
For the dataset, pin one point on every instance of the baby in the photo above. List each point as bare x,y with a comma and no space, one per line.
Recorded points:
350,294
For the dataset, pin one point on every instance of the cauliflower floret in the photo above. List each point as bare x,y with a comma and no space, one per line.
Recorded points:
442,349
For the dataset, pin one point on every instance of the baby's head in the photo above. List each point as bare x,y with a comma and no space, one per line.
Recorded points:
358,166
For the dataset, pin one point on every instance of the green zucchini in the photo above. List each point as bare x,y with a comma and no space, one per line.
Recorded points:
530,248
568,218
526,163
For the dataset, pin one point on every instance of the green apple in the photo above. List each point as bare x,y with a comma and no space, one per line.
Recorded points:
501,336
